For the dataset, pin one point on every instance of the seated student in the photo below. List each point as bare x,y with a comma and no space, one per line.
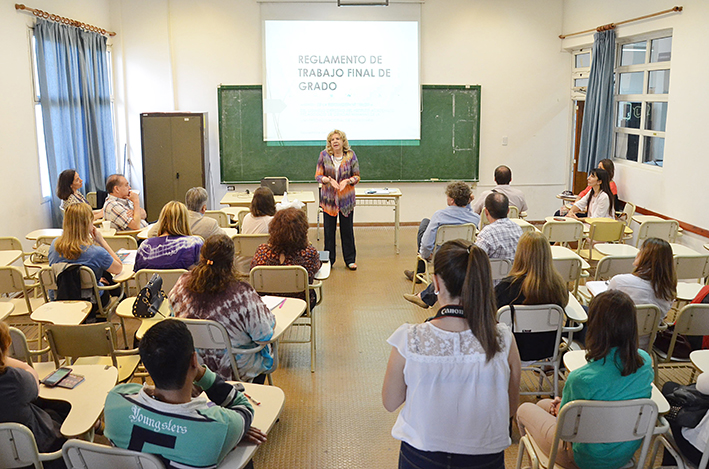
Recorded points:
691,441
616,371
503,177
196,202
653,281
68,185
211,290
122,207
289,245
458,212
81,243
182,430
598,203
263,208
19,391
175,247
608,165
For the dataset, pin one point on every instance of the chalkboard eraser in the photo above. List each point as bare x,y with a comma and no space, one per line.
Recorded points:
435,179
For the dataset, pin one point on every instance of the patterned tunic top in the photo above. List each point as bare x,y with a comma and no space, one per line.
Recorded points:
308,258
244,315
74,198
332,200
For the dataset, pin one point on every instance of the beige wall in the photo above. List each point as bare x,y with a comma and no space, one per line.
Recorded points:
172,55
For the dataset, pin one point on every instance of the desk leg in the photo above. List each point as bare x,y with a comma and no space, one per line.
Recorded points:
396,225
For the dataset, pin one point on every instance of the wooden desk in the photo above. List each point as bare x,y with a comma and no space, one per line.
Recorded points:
8,257
574,311
682,250
609,249
242,199
62,312
700,359
391,199
324,271
48,232
562,253
265,416
286,315
87,399
6,309
577,358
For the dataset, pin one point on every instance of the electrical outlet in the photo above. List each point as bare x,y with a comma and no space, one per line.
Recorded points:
231,188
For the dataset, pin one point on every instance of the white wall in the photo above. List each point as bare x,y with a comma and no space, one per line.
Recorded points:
509,47
679,189
23,208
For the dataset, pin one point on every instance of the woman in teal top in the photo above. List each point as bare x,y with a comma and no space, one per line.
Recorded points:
616,371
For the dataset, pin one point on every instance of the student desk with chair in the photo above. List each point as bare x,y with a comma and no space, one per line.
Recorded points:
8,257
6,309
87,399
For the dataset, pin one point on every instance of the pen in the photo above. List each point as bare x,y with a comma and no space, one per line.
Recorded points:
280,305
252,399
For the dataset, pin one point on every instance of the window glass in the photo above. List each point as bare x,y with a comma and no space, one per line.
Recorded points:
631,83
583,60
653,150
661,49
629,115
658,82
656,116
581,82
632,54
626,146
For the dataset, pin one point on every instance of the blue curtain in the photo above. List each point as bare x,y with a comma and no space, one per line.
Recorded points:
597,130
72,67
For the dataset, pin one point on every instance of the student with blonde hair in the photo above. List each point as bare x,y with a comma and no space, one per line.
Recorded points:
174,247
81,243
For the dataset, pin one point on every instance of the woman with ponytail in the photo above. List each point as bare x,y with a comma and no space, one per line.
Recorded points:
456,374
211,290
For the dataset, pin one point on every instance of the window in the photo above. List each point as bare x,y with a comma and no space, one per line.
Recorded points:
39,124
642,84
581,68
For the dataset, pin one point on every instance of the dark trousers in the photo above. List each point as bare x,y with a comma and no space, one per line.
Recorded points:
412,458
419,236
349,252
687,449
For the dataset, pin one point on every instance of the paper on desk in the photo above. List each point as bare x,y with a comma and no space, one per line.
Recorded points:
272,301
378,191
126,256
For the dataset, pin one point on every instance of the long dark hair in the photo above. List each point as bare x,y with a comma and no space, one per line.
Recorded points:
656,264
215,270
464,268
612,322
64,182
602,176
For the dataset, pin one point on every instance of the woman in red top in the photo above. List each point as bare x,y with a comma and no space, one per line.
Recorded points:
288,245
338,172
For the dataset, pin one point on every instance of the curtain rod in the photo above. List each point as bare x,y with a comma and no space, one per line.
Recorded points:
60,19
609,26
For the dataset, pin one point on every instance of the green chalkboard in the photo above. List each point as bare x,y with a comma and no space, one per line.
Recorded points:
449,147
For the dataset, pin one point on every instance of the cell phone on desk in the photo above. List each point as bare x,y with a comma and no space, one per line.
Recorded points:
58,375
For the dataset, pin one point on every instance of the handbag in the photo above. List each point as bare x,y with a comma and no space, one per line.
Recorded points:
149,298
682,346
688,406
40,254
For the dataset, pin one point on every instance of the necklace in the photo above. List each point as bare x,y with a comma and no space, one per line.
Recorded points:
450,310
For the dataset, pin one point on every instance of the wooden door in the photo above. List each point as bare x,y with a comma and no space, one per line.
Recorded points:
579,182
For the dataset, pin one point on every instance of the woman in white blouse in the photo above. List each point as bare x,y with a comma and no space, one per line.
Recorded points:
263,207
598,203
653,281
456,374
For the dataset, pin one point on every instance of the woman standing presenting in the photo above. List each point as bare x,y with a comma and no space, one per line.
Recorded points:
338,172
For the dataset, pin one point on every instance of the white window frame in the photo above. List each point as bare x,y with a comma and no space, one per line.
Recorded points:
578,93
644,98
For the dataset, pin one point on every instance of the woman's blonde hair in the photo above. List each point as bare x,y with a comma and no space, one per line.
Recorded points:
76,236
174,220
533,266
345,142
